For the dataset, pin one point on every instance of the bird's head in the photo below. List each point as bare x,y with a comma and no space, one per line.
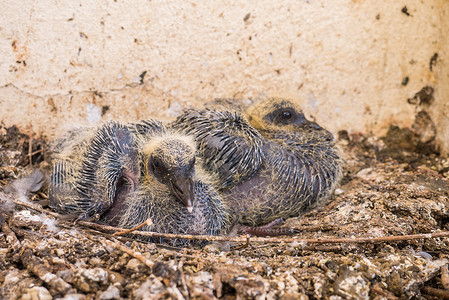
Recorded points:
171,160
278,113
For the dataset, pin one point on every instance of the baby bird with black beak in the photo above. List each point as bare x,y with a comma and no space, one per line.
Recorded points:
171,160
271,161
126,174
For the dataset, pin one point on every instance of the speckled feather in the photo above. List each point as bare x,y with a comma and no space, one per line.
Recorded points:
78,185
208,216
291,165
228,144
90,180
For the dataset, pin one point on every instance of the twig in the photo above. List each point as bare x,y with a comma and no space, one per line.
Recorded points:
246,239
11,237
60,217
381,292
129,251
97,226
39,268
36,152
147,222
30,146
441,294
445,277
37,207
185,292
43,195
287,240
313,228
245,245
323,248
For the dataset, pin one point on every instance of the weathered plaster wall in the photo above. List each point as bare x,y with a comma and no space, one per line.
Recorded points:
440,111
347,62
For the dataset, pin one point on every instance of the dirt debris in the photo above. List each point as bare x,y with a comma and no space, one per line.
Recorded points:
385,191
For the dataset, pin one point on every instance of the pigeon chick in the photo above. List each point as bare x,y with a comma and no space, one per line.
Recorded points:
126,174
271,161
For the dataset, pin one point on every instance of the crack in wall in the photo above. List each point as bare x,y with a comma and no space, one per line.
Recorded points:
129,86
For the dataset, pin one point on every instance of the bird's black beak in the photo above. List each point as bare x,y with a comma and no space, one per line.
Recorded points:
183,189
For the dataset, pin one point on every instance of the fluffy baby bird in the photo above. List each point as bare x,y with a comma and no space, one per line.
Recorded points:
271,161
126,174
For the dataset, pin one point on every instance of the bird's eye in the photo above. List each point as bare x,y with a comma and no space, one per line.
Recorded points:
286,115
283,116
156,163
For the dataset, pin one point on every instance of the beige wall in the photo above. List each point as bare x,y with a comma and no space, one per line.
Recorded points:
68,62
440,111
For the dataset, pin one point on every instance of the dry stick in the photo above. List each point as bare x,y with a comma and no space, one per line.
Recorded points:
97,226
290,240
30,146
445,277
43,195
246,239
147,222
60,218
37,207
312,228
11,237
322,248
36,266
246,244
36,152
129,251
185,293
117,245
441,294
386,294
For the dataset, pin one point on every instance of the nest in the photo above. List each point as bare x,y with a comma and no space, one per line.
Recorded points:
386,192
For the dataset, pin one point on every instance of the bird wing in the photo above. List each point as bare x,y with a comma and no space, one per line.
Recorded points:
62,190
310,159
109,170
229,104
147,128
228,144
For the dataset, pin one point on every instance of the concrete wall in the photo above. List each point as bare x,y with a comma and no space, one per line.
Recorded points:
352,64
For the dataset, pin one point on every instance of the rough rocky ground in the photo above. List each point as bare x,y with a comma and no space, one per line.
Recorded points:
392,186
